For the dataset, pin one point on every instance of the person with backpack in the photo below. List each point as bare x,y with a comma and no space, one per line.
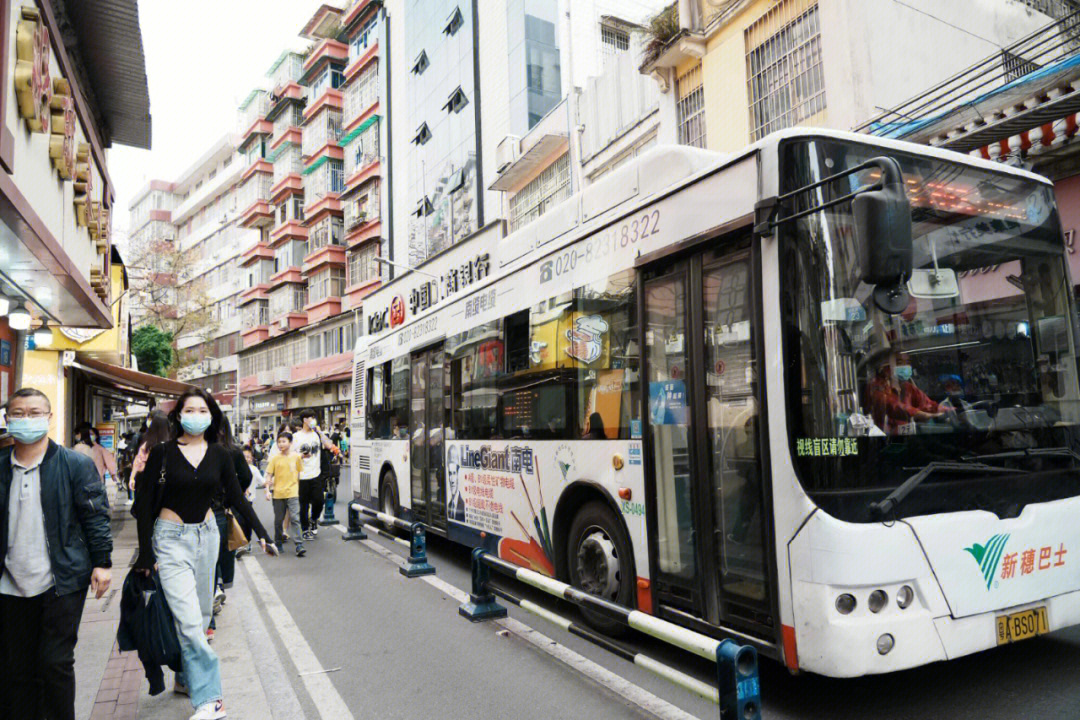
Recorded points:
309,443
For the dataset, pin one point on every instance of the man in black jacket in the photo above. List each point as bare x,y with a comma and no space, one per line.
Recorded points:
54,542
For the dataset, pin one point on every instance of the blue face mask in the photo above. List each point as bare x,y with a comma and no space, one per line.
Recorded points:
28,430
903,373
195,424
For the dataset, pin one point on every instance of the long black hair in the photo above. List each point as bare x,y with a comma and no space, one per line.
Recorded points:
226,437
213,432
158,430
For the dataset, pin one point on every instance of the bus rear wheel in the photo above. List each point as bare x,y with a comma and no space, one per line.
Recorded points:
601,562
388,497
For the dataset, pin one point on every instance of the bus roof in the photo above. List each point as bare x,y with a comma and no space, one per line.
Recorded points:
658,172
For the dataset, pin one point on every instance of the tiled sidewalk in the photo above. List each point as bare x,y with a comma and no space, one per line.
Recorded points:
118,694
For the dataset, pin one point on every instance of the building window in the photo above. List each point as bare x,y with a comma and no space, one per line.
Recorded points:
613,40
421,63
456,101
454,23
1015,66
362,266
362,92
423,134
326,283
327,231
783,59
690,107
547,189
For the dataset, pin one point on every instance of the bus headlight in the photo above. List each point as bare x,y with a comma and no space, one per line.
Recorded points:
845,603
885,643
877,601
904,596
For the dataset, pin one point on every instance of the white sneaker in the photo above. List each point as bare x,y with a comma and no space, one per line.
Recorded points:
210,711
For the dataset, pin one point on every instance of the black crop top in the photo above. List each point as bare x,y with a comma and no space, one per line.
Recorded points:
187,491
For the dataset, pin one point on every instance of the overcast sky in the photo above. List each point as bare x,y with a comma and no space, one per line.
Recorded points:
202,58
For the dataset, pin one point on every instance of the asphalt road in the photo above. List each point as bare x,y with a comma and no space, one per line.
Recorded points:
404,652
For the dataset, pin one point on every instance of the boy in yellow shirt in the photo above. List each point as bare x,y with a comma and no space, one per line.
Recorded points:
283,486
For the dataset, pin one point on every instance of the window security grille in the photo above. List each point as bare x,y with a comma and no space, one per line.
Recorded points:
786,82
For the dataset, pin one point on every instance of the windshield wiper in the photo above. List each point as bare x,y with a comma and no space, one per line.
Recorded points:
1026,453
883,507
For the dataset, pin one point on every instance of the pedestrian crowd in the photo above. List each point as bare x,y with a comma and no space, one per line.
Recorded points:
189,485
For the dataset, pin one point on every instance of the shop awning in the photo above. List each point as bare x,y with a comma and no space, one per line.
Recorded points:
128,380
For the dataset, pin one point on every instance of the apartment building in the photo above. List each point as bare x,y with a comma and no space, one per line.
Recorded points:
736,70
312,149
188,241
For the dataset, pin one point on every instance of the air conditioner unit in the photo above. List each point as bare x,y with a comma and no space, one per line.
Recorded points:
283,323
506,152
265,377
281,374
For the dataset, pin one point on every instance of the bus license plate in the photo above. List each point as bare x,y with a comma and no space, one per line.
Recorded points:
1022,625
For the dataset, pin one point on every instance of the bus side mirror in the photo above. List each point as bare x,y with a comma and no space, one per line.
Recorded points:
883,234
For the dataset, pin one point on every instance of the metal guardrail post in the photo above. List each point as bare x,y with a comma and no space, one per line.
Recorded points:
481,605
417,564
737,677
356,529
328,513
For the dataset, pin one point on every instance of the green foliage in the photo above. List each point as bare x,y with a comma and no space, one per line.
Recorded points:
152,347
660,30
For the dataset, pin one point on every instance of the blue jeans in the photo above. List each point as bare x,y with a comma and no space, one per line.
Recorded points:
186,555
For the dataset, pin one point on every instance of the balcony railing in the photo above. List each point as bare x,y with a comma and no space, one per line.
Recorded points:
322,129
328,177
287,163
254,189
289,69
1047,52
256,108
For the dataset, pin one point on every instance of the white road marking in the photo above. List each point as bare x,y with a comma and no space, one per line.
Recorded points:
634,694
271,670
324,695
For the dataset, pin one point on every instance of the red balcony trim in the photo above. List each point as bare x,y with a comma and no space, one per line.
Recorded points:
291,90
331,150
254,336
367,231
284,277
289,230
258,292
359,119
261,126
261,165
258,251
362,175
331,98
330,203
327,255
328,48
361,62
259,214
292,135
291,184
296,319
322,309
356,293
165,215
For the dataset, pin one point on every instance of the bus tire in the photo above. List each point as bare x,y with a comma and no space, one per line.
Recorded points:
598,555
388,496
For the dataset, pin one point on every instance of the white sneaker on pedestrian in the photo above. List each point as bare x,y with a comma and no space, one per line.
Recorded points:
181,689
314,531
210,711
219,600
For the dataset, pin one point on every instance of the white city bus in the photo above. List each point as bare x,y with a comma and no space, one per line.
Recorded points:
754,403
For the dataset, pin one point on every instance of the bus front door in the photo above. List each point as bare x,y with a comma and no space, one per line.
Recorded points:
705,504
426,428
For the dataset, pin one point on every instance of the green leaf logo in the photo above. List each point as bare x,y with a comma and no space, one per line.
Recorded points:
989,556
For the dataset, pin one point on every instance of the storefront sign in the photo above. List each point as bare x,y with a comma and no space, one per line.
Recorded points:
429,293
33,83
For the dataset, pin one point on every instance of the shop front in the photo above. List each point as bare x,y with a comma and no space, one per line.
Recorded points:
58,117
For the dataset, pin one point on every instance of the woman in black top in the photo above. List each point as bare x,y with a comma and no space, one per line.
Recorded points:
179,536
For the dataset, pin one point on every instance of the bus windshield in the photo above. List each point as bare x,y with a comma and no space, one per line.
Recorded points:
979,368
